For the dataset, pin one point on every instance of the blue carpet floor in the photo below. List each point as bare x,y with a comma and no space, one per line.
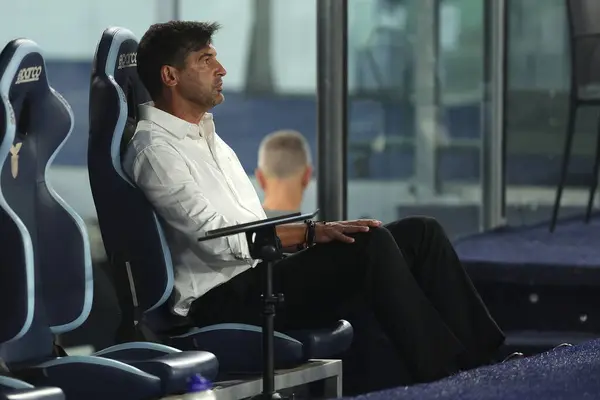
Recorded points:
566,373
570,255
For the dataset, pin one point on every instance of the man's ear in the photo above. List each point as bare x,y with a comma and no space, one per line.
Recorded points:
306,177
169,75
260,178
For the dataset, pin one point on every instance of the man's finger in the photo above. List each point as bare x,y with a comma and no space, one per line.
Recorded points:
354,228
369,222
343,238
364,222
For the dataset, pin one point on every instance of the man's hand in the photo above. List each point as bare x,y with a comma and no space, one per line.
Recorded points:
373,223
330,231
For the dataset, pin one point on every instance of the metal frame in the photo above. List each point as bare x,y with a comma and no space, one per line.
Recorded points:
493,147
332,98
427,96
327,371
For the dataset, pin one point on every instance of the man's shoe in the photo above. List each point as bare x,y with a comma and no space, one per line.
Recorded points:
560,346
514,356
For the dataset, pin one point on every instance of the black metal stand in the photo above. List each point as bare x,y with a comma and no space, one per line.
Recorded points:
265,245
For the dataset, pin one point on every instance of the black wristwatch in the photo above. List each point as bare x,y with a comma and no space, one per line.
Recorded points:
310,233
309,237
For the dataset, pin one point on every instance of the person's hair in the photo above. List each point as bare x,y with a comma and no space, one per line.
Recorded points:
170,43
283,153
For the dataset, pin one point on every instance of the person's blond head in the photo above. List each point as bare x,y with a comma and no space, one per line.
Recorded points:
284,154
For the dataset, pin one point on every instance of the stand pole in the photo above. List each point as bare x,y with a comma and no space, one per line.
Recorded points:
265,245
269,303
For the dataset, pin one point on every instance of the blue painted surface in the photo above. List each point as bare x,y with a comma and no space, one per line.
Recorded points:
242,121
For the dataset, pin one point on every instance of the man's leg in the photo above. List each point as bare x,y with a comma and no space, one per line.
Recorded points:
438,271
320,282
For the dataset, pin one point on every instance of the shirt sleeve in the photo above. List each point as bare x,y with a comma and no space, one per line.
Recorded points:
164,177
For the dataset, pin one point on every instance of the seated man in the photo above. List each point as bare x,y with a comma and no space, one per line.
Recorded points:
407,272
284,171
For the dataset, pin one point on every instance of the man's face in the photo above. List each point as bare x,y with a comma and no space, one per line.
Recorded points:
201,79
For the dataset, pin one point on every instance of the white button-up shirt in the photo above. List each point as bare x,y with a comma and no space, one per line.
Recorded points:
196,184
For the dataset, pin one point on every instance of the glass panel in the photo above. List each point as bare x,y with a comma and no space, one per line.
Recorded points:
403,157
269,50
537,112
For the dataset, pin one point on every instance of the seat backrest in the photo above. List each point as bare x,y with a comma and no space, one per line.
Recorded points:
61,262
131,231
584,32
16,252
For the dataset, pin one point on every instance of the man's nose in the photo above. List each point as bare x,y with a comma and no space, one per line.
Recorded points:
221,71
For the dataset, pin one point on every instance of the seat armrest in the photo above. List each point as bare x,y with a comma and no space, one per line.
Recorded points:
15,389
325,343
45,393
174,370
256,225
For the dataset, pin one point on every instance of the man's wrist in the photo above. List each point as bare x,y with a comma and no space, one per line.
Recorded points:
308,236
310,233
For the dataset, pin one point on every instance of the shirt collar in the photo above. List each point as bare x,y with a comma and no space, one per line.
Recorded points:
174,125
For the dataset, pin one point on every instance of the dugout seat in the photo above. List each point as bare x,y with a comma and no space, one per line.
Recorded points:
135,241
52,255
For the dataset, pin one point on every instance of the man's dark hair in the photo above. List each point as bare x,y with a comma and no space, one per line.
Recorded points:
170,43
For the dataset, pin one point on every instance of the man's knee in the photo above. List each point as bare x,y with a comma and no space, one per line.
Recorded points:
413,227
423,222
416,223
377,235
380,235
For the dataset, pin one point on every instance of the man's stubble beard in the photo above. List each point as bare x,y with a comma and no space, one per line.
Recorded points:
212,101
220,98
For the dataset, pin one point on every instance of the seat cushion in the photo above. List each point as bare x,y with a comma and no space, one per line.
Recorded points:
238,347
94,378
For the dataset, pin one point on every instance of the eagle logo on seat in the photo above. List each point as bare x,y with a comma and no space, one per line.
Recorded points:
14,159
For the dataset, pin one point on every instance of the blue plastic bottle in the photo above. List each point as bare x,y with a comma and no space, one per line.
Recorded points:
199,388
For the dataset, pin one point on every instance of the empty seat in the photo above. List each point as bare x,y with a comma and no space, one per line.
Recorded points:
50,247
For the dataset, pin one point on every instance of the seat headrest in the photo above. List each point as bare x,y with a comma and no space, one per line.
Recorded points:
116,59
23,70
25,86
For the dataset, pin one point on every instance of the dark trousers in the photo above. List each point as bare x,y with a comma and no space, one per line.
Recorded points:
407,273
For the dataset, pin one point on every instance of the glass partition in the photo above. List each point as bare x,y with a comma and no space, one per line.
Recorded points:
536,115
415,129
269,50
